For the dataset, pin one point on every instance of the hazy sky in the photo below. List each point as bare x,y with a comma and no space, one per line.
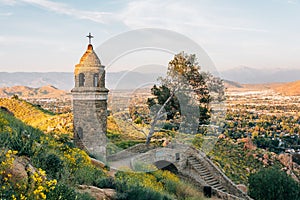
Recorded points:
48,35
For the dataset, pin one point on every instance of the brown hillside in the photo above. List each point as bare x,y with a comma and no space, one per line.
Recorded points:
289,89
28,92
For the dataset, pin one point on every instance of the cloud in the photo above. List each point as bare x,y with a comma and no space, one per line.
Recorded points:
179,15
61,8
167,14
8,2
25,40
292,1
7,14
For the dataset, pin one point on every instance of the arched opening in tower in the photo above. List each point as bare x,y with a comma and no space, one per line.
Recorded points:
96,80
166,165
81,80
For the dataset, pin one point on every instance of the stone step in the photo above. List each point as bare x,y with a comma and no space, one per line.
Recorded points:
206,174
200,166
193,162
197,164
203,171
220,187
217,186
207,178
213,182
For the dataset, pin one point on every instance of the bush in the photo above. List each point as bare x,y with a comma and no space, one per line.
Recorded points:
64,192
51,163
128,143
296,158
139,186
273,184
88,175
171,126
136,192
107,182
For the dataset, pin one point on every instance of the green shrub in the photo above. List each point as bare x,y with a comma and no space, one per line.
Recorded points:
113,135
143,167
136,192
296,158
107,182
273,184
18,136
88,175
171,126
127,143
53,165
65,192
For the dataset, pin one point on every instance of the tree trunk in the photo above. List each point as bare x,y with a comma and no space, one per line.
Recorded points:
156,118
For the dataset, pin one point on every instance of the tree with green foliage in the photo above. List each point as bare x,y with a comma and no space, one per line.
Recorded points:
273,184
184,85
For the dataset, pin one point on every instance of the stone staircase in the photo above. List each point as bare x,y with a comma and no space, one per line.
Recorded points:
192,165
203,172
206,175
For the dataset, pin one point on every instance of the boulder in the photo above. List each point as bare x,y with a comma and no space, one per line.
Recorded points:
18,170
221,136
242,187
97,193
286,160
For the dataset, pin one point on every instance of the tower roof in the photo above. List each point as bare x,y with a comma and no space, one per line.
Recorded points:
90,58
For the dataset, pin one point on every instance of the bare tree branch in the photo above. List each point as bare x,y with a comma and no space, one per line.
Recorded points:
157,117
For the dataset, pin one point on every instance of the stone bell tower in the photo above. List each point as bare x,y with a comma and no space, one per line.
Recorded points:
90,104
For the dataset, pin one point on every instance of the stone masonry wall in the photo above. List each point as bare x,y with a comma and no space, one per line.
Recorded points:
90,120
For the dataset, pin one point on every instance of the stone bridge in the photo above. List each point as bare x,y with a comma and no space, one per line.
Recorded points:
188,162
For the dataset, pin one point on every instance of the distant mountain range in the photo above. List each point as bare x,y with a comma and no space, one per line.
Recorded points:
65,80
134,79
248,75
289,89
61,80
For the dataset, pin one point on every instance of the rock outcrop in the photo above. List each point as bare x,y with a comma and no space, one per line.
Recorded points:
97,193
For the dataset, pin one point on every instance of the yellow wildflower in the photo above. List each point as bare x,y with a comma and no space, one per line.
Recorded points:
43,196
22,197
13,197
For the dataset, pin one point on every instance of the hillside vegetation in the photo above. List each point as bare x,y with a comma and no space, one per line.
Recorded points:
47,91
37,117
35,165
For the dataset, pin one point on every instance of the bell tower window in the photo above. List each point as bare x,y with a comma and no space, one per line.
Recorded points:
96,80
81,80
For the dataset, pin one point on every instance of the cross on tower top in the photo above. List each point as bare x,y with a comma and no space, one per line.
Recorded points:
90,37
